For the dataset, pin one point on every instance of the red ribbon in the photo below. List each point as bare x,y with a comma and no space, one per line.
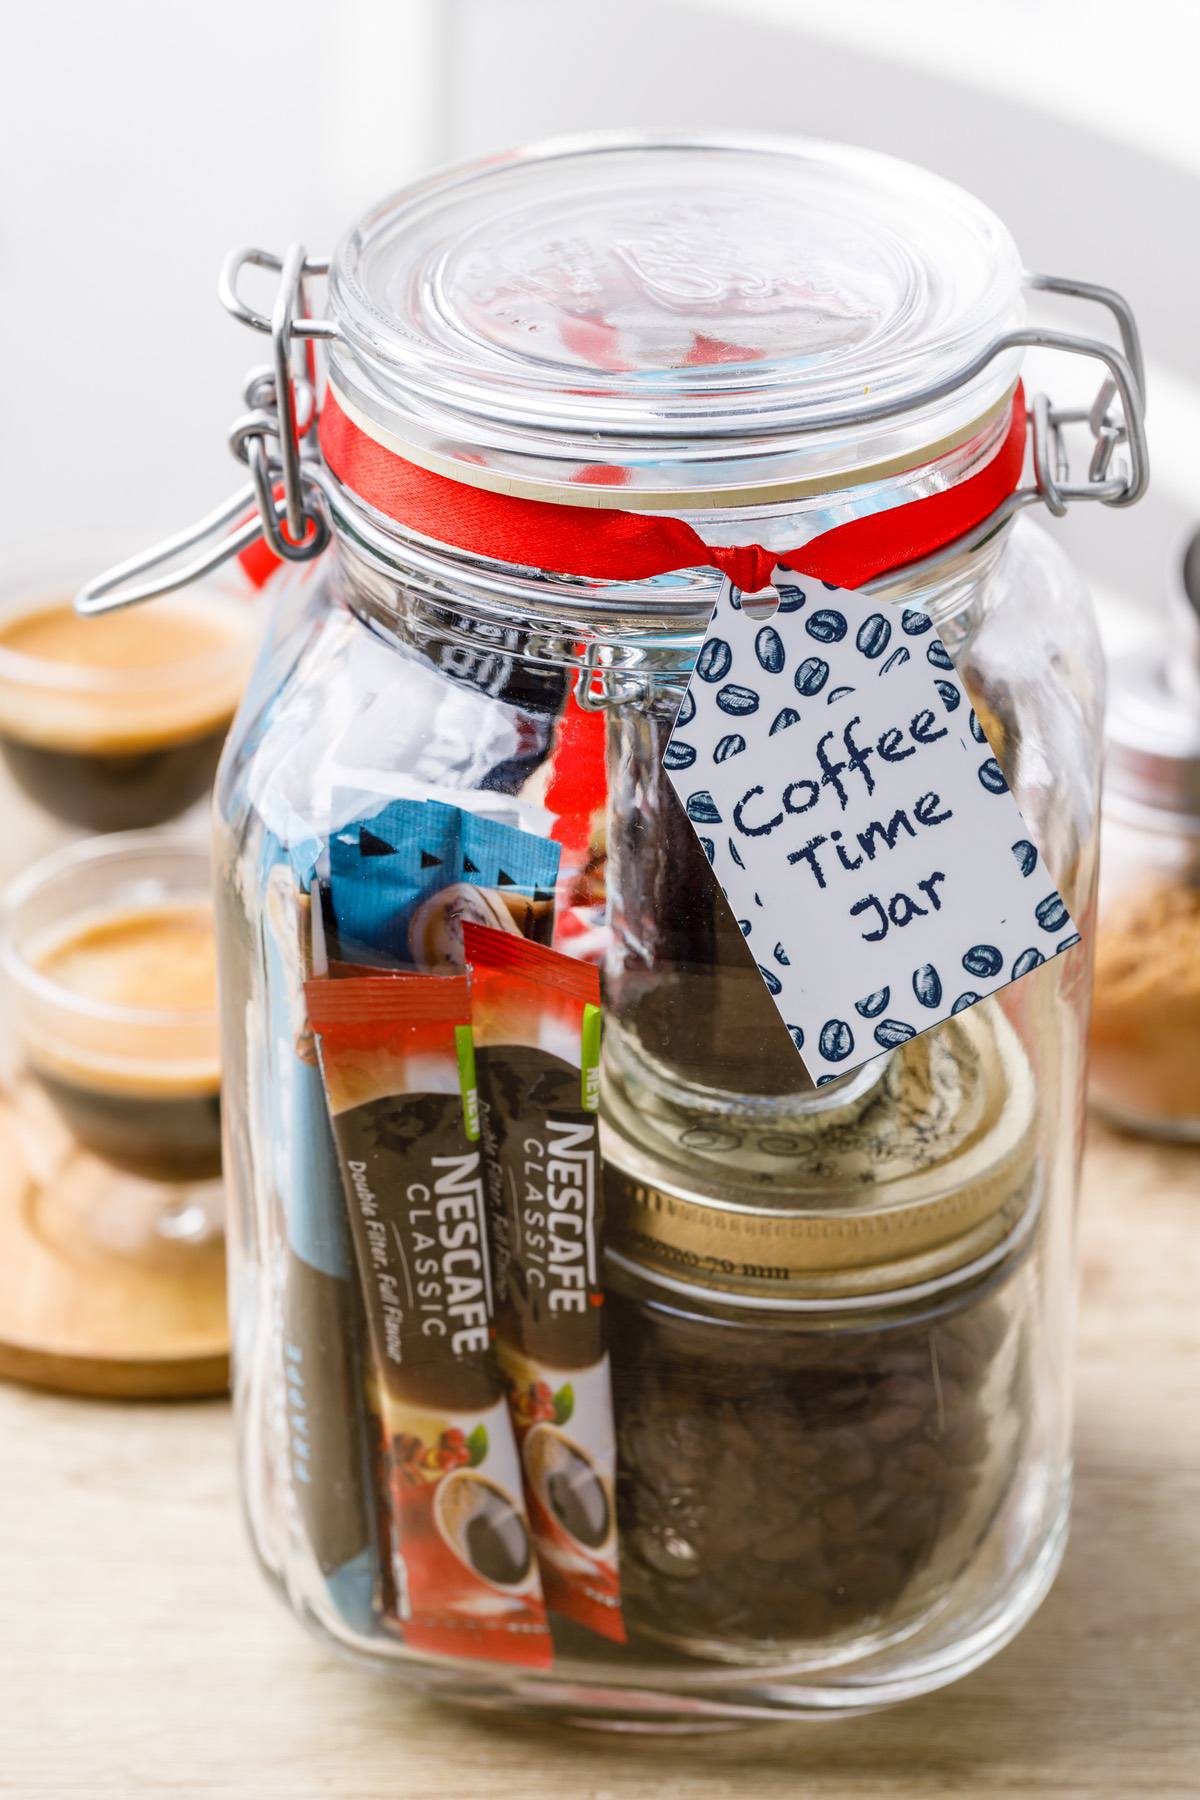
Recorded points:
630,546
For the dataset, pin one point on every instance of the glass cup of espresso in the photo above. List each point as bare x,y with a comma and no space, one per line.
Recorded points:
116,722
109,972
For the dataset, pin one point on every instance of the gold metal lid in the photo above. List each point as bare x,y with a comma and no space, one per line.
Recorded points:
926,1174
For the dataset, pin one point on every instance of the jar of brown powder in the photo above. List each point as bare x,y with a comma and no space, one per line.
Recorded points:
1145,1066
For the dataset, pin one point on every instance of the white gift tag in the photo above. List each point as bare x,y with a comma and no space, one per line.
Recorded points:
857,820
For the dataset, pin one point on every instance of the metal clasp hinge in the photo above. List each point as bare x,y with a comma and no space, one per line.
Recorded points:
274,438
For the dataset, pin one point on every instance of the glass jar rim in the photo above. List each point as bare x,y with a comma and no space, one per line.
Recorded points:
634,309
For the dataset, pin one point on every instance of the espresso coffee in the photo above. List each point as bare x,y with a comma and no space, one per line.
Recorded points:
118,721
125,1039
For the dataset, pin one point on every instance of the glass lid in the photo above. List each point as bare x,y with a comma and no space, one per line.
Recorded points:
666,315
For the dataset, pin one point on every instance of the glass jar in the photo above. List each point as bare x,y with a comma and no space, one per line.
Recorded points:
839,1317
1145,1061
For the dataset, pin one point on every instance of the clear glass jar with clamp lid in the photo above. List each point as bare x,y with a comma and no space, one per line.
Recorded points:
565,393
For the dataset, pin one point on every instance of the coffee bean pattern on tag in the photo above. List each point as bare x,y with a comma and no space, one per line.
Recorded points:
734,671
874,1004
737,700
1051,914
983,959
827,626
812,675
768,647
837,1040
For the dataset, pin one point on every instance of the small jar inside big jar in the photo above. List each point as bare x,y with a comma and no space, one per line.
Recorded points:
809,1485
823,1337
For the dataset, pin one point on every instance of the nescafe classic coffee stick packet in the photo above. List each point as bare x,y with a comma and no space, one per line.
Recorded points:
536,1016
399,1077
402,882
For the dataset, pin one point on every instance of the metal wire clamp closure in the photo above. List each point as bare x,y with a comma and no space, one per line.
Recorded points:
284,503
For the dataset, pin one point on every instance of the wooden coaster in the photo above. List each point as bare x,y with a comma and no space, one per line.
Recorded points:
94,1299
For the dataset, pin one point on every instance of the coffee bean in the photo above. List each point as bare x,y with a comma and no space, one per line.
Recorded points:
912,1521
1051,914
991,776
847,1460
977,731
839,1515
792,1544
896,660
874,635
773,983
811,676
1028,959
678,755
1025,854
927,985
708,847
732,745
768,647
737,700
892,1423
702,809
785,717
915,1469
938,655
955,1359
950,696
982,959
891,1033
873,1005
791,598
687,709
836,1040
781,955
914,622
909,1390
714,661
827,626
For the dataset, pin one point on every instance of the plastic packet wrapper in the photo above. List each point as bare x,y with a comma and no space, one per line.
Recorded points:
399,1077
402,883
536,1019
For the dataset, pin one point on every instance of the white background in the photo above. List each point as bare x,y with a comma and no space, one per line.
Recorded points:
139,141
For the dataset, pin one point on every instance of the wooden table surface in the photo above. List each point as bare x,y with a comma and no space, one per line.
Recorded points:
141,1654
